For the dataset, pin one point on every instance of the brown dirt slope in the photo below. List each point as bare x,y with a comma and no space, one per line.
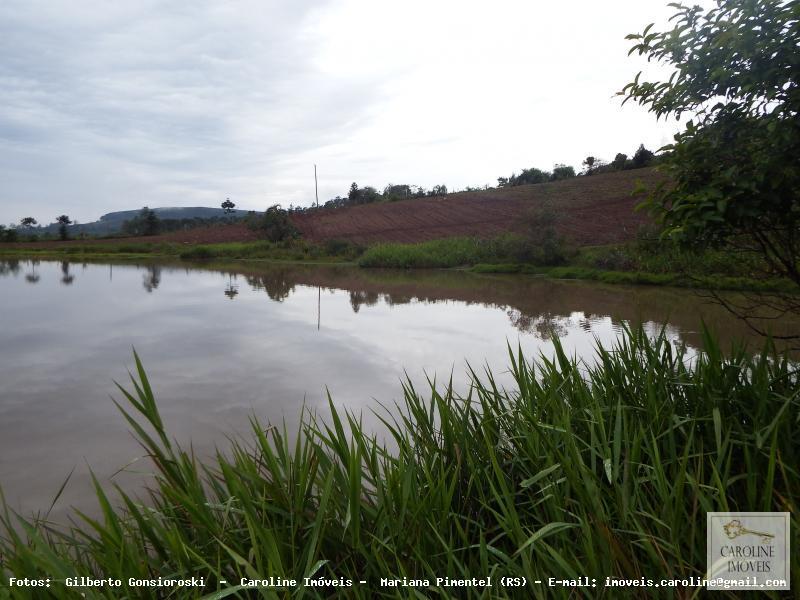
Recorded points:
592,210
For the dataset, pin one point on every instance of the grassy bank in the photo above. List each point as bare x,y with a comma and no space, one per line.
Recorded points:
635,263
713,282
293,250
444,253
604,470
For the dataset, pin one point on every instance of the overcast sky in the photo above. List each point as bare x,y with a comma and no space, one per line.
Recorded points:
116,105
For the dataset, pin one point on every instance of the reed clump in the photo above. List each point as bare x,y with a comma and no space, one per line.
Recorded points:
580,469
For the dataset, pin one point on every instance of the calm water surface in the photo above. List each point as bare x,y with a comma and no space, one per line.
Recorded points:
221,345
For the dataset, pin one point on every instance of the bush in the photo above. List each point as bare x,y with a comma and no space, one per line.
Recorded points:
8,234
544,245
449,252
274,224
343,248
198,252
562,172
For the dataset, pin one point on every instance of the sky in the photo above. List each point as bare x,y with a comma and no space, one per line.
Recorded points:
116,105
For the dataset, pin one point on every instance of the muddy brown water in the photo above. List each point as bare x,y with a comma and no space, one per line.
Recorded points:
222,343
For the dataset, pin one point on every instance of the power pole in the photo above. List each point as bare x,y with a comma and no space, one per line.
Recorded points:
316,190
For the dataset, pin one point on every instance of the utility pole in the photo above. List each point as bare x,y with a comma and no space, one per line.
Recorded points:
316,190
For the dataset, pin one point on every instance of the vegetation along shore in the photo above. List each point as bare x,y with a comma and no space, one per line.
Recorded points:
601,469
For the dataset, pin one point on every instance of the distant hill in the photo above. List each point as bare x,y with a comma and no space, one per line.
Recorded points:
112,222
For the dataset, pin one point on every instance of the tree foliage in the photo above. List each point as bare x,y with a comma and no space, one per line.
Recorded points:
735,176
8,234
228,206
63,221
534,175
562,171
145,223
275,224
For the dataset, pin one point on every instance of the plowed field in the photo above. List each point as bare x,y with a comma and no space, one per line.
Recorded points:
591,210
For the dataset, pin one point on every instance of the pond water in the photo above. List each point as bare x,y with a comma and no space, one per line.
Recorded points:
222,344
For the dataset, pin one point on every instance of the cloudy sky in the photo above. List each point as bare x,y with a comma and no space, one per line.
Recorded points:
115,105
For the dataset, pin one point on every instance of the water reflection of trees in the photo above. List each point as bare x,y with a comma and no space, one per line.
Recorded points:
9,267
359,298
545,326
232,290
152,278
66,277
33,276
277,284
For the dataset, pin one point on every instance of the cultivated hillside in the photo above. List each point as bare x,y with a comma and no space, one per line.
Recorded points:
592,210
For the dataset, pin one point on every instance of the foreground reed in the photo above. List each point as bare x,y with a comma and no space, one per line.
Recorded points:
599,470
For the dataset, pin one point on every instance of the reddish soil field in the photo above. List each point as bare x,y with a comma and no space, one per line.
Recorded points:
592,210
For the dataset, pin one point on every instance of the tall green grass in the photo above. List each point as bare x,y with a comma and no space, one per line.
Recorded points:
442,253
601,469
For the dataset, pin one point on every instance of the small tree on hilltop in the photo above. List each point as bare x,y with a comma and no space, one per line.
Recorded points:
352,195
588,162
228,206
63,221
642,158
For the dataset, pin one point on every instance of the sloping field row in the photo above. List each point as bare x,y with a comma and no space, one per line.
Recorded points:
591,210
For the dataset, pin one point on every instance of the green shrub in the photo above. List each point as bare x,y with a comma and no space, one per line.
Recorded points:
448,252
198,252
274,224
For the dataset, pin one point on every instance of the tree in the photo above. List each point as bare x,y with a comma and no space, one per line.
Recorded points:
228,206
588,162
400,191
642,157
561,171
144,223
735,177
352,195
620,161
27,222
63,221
543,245
8,234
532,175
276,225
151,224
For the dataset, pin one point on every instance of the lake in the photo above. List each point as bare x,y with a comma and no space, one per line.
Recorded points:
221,344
